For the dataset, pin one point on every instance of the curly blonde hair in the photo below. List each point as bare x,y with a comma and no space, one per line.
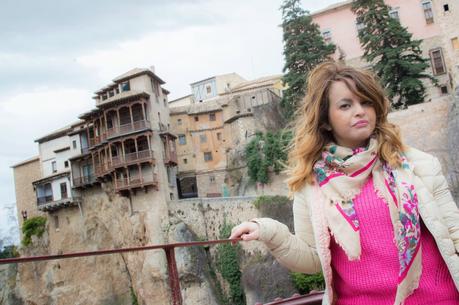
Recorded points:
311,134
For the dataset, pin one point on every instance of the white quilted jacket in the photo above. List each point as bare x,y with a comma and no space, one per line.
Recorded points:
308,250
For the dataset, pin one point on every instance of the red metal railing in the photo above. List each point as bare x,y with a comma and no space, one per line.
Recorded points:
174,282
313,298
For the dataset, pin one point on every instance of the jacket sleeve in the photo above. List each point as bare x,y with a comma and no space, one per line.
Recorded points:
297,251
448,207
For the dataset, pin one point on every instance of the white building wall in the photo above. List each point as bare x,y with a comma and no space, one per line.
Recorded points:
47,153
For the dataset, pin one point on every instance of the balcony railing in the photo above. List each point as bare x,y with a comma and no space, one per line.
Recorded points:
135,182
44,199
170,157
58,204
127,128
103,169
84,180
138,156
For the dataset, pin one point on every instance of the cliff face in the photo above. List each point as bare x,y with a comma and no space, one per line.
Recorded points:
104,222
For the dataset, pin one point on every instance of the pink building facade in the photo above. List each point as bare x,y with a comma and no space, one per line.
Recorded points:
436,22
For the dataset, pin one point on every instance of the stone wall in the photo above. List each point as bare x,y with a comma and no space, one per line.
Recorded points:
26,200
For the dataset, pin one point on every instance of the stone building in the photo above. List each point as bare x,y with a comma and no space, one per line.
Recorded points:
102,182
432,21
212,132
25,173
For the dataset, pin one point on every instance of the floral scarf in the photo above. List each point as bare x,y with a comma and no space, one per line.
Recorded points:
341,173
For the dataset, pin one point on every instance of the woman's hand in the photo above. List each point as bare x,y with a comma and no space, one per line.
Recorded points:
247,230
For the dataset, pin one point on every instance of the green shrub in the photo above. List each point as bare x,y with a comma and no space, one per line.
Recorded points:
33,226
265,152
9,252
227,262
304,283
134,297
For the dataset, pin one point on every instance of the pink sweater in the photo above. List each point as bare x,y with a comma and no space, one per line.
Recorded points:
373,279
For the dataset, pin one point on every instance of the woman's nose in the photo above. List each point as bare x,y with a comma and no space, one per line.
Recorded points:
359,110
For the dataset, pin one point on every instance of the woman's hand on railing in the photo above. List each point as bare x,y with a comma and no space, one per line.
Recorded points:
247,230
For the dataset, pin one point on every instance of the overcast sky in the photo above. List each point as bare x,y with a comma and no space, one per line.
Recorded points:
55,54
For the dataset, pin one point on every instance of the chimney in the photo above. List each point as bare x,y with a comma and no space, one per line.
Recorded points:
152,69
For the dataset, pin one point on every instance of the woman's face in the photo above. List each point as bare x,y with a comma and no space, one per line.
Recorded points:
351,119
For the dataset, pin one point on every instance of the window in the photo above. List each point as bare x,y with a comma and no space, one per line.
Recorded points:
203,138
64,190
56,222
185,161
327,36
111,93
208,156
394,14
438,64
104,97
179,122
446,7
125,86
74,144
428,13
66,164
212,117
444,89
455,43
208,89
182,139
219,136
196,118
212,179
54,166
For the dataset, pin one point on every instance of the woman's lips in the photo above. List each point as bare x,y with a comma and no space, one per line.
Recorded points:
361,123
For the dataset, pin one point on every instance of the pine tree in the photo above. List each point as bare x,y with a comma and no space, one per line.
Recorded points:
304,48
395,56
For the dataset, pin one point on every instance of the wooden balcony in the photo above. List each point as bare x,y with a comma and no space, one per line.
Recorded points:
103,169
47,204
131,158
128,128
137,181
84,181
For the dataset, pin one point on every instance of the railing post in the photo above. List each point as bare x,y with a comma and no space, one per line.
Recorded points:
174,282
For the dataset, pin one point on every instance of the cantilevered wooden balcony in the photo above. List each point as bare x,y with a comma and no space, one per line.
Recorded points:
84,181
137,181
103,169
128,128
47,204
131,158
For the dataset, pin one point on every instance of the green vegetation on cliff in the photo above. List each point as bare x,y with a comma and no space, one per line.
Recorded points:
33,226
227,261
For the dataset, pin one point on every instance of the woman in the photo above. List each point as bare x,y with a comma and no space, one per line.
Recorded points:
375,216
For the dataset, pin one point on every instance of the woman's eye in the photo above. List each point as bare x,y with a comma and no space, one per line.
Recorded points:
367,103
344,106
